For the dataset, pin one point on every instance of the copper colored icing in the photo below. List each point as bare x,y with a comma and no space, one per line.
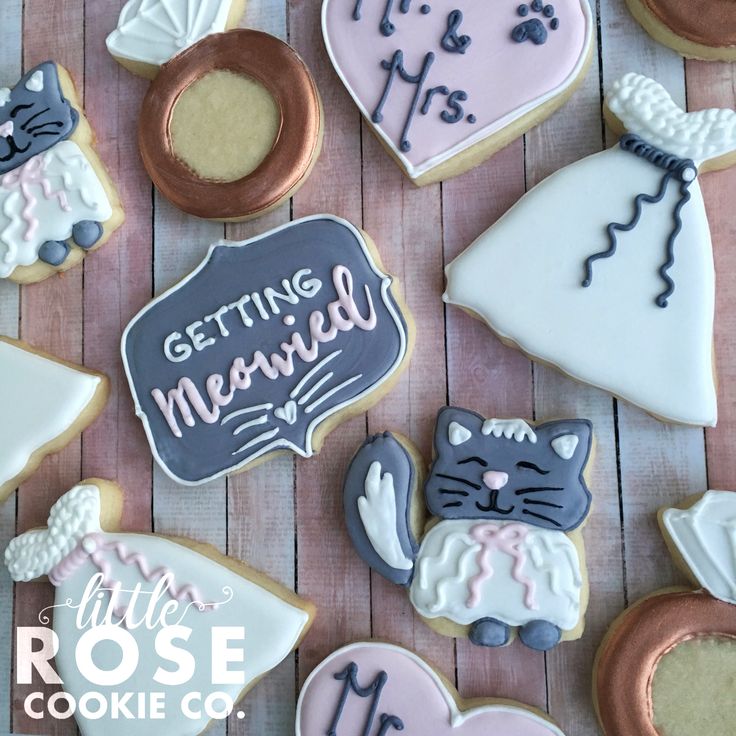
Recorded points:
707,22
630,653
281,71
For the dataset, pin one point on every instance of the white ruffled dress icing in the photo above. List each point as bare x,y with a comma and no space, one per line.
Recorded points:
449,581
42,201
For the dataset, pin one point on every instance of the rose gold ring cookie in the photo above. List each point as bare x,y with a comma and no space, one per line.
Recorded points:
266,62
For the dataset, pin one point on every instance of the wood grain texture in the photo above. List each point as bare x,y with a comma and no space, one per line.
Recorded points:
285,517
11,37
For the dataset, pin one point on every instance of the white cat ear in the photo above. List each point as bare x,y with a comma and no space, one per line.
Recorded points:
457,434
4,96
565,445
35,82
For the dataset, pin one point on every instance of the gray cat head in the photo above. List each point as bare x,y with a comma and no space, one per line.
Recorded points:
34,116
507,471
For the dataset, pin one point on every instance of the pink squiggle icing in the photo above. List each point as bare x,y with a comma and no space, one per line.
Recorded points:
23,178
506,539
93,547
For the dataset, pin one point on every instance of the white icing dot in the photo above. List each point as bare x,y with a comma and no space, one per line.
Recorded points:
289,320
689,174
89,545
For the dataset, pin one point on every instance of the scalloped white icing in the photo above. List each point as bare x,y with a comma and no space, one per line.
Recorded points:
154,31
705,536
647,109
72,517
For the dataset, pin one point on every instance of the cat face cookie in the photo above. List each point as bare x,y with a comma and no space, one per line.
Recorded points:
445,85
623,273
46,403
700,29
668,663
168,602
265,347
57,201
507,502
373,685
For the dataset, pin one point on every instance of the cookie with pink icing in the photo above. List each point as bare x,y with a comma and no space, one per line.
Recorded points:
165,616
445,84
378,688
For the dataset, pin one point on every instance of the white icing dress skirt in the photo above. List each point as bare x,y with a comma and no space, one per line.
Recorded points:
525,275
517,573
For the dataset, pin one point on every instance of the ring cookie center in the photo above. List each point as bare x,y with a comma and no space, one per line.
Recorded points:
693,688
224,125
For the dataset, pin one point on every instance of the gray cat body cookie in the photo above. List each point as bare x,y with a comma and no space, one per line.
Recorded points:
503,551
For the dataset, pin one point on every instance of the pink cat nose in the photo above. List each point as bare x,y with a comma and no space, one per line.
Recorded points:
495,479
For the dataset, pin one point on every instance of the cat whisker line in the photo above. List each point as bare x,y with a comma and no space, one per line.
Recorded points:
261,438
470,483
537,489
453,492
541,516
332,392
252,423
33,117
298,388
452,504
533,502
47,132
35,128
246,410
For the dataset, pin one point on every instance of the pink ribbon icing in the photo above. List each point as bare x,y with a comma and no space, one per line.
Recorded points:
23,178
507,539
97,547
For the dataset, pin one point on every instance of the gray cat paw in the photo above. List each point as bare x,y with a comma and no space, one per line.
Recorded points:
53,252
86,233
489,632
540,635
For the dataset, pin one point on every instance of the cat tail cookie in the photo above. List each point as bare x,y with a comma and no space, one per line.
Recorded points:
144,586
57,200
382,514
46,403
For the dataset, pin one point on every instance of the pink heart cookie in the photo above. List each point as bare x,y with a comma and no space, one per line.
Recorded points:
377,688
446,83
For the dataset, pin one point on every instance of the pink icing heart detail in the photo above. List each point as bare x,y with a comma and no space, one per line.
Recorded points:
471,79
397,691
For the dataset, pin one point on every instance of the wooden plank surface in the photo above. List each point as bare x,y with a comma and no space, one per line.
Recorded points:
285,517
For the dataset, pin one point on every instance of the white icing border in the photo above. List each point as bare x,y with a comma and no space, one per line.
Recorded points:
415,172
457,717
280,443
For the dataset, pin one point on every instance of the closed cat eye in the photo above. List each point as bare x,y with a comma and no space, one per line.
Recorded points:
474,459
18,109
531,466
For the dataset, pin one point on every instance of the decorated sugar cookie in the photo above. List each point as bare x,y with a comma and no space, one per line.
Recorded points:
667,666
57,201
700,29
46,402
378,688
444,85
232,123
623,273
151,32
173,603
503,550
265,347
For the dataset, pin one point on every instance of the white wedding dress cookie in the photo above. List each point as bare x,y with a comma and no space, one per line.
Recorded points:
605,269
168,602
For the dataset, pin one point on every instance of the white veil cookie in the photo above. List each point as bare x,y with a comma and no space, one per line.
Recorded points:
615,252
46,403
131,591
